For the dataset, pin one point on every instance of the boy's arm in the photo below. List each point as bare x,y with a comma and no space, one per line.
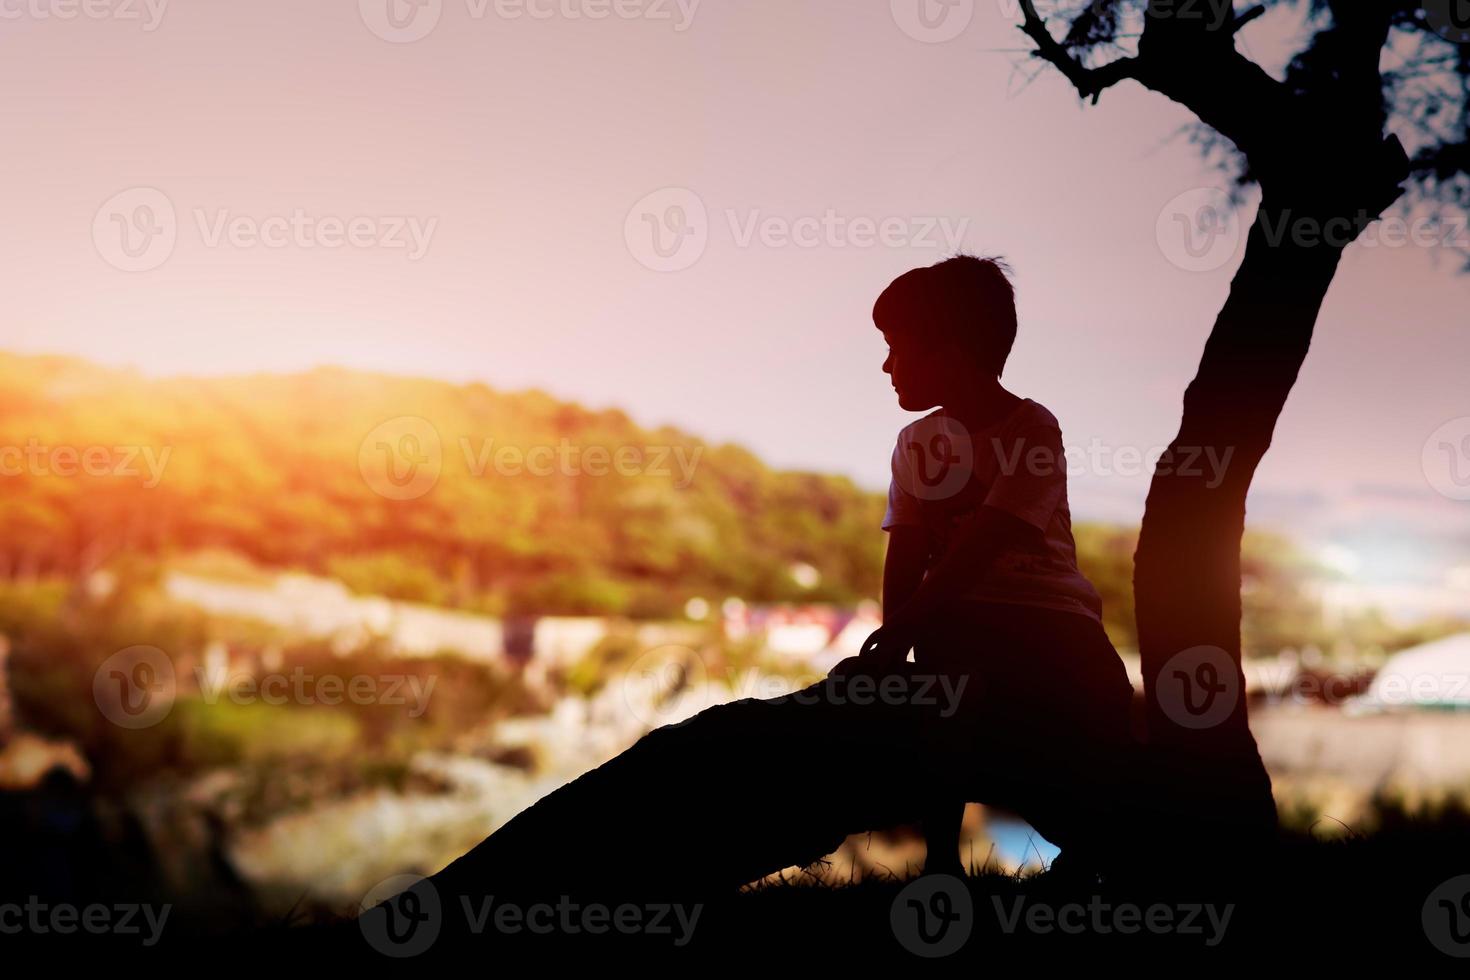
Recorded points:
1016,510
979,542
903,567
903,574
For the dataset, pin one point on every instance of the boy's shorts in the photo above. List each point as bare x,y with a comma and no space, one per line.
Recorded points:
1043,724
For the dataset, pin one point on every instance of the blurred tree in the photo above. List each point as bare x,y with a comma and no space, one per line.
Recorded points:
622,520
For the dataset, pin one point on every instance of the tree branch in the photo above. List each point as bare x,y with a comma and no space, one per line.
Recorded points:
1292,133
1089,82
1246,18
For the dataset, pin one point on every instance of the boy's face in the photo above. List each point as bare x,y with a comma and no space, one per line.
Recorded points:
921,373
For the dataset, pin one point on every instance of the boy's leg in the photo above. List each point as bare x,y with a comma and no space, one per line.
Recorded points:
944,814
1050,688
1069,700
941,826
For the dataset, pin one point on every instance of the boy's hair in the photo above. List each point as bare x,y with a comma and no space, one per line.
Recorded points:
966,300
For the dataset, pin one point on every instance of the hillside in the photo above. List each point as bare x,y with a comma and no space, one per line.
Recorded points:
539,505
469,497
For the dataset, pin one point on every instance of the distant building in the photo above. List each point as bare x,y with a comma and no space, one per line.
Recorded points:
323,608
808,631
1431,675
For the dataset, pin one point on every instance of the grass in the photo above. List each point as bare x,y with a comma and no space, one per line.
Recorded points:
1310,902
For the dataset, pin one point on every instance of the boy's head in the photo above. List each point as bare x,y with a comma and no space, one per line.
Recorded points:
949,328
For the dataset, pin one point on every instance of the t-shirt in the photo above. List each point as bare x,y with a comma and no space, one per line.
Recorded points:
943,473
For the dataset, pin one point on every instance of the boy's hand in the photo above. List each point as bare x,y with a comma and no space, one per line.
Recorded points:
887,647
884,652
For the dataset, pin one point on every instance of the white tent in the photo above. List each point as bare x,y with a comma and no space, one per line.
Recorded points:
1430,675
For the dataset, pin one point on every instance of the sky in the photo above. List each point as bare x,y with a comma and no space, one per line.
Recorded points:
686,210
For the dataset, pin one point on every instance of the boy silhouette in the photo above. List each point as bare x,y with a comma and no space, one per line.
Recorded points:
980,583
981,576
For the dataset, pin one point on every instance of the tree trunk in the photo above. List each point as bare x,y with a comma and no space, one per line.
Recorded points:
1208,772
702,807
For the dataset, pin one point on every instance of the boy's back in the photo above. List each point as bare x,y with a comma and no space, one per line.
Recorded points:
942,473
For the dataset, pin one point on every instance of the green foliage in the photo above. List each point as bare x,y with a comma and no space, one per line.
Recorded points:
266,471
1105,556
611,655
1278,609
1275,610
227,733
387,574
60,636
272,468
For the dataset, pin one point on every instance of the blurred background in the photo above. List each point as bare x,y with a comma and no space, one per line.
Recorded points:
403,408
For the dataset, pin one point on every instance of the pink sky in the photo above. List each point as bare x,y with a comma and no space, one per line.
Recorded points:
517,147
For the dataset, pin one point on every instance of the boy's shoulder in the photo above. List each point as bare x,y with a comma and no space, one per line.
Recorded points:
1032,413
1027,414
935,421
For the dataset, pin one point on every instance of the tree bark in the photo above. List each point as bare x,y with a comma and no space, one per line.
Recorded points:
1207,772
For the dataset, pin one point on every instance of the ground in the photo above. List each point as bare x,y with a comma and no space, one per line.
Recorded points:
1353,901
